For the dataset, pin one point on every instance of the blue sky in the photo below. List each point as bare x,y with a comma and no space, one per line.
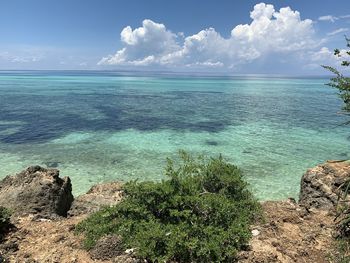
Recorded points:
210,36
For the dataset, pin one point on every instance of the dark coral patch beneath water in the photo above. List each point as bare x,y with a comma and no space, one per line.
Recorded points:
211,143
45,118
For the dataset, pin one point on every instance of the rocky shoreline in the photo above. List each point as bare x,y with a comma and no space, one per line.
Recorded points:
45,215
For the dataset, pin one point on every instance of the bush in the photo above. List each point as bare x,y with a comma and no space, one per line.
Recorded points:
342,252
339,81
4,221
342,84
202,213
343,211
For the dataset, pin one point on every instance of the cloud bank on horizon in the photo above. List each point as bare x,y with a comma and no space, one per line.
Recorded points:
271,35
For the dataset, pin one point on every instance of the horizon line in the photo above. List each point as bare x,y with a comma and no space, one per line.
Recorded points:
165,72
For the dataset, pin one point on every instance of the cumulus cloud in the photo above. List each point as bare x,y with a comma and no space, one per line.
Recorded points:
144,45
269,32
275,31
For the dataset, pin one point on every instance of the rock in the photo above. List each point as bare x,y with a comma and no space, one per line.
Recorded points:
129,251
255,232
37,191
320,185
107,247
126,259
106,194
2,259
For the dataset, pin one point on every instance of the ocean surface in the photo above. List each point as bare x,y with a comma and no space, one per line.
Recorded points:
104,126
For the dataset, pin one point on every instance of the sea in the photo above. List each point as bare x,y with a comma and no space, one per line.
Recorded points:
100,126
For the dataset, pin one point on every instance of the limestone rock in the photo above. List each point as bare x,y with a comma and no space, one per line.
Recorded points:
320,185
100,195
255,232
38,191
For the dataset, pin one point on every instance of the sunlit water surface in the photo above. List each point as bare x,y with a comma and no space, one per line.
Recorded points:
97,127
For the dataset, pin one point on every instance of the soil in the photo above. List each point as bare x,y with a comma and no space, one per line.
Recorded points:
289,234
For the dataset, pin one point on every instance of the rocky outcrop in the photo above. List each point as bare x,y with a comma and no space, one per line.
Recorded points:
100,195
301,232
291,232
320,186
38,191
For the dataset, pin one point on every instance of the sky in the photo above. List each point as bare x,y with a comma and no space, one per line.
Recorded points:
225,36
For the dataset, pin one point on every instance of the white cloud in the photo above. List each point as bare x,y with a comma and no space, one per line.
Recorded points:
332,18
322,55
337,31
9,57
270,32
144,45
275,31
325,56
328,18
45,57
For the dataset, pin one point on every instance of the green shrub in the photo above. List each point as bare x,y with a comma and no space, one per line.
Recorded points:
202,213
4,221
340,81
341,253
343,211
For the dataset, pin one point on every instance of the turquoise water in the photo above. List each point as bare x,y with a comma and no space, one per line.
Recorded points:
102,126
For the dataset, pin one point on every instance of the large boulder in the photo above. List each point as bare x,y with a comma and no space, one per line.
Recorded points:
38,191
106,194
321,185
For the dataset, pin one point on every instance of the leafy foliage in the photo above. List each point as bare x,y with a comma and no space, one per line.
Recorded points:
342,253
343,211
4,221
341,82
202,213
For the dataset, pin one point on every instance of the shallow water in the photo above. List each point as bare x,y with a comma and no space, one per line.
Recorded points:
99,126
